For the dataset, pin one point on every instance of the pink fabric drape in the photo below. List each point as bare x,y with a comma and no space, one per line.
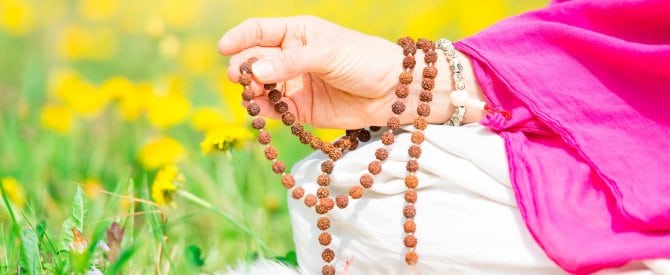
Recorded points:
588,85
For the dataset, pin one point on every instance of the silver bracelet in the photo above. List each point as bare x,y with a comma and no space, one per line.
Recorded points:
459,96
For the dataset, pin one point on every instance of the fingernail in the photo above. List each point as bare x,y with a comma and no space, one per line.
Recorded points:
262,68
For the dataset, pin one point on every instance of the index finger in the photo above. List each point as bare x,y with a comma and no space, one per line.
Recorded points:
266,32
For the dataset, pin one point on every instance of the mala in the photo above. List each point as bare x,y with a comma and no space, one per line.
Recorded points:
323,201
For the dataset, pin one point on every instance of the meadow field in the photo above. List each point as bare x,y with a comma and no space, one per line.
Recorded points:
123,145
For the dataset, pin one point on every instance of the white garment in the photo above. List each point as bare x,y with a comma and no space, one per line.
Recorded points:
467,219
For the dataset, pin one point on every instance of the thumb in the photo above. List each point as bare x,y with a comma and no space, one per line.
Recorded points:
288,64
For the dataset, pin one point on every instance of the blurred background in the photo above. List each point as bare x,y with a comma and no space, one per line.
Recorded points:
119,111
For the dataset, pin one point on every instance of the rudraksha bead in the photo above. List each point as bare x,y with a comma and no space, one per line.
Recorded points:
367,180
405,41
264,137
269,86
305,137
409,226
253,109
429,72
425,96
409,62
321,209
270,153
325,238
327,166
428,84
387,138
409,49
410,241
411,258
375,167
420,123
343,143
409,211
258,123
322,192
315,143
327,270
310,200
328,255
381,154
245,79
245,68
411,181
410,196
323,180
342,201
288,118
327,202
412,165
417,137
335,155
414,151
281,107
393,123
297,192
430,57
406,78
247,95
327,147
297,129
353,144
356,192
278,167
287,181
401,91
423,109
323,223
398,107
364,135
274,95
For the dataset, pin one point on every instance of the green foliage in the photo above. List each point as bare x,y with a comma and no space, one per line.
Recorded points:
76,218
30,252
193,256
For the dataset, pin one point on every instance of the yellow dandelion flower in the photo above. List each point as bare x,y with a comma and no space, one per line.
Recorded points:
224,139
16,16
161,152
198,56
92,187
14,191
76,42
133,103
168,180
97,9
207,118
57,118
77,93
168,110
116,87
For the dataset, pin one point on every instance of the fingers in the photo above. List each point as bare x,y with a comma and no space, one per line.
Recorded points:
290,63
267,32
236,60
268,110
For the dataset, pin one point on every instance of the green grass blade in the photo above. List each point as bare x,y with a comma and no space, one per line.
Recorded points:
30,253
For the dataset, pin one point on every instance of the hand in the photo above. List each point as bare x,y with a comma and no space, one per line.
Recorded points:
335,77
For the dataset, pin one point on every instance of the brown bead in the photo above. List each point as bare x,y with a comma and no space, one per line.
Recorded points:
405,41
409,62
287,181
387,138
253,109
364,135
430,57
245,79
325,238
246,66
321,209
342,201
402,91
288,118
393,123
409,226
409,49
274,95
297,129
327,202
281,107
247,95
423,109
406,77
327,166
328,255
297,193
375,167
323,180
343,143
398,107
353,145
420,123
315,143
367,180
310,200
356,192
426,96
270,153
375,128
335,155
417,137
427,84
410,241
411,258
381,154
410,196
323,223
327,270
414,151
322,192
264,137
412,165
269,86
278,167
411,181
429,72
409,211
425,44
258,123
305,137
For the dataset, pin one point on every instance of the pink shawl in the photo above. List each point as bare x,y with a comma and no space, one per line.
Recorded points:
588,144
